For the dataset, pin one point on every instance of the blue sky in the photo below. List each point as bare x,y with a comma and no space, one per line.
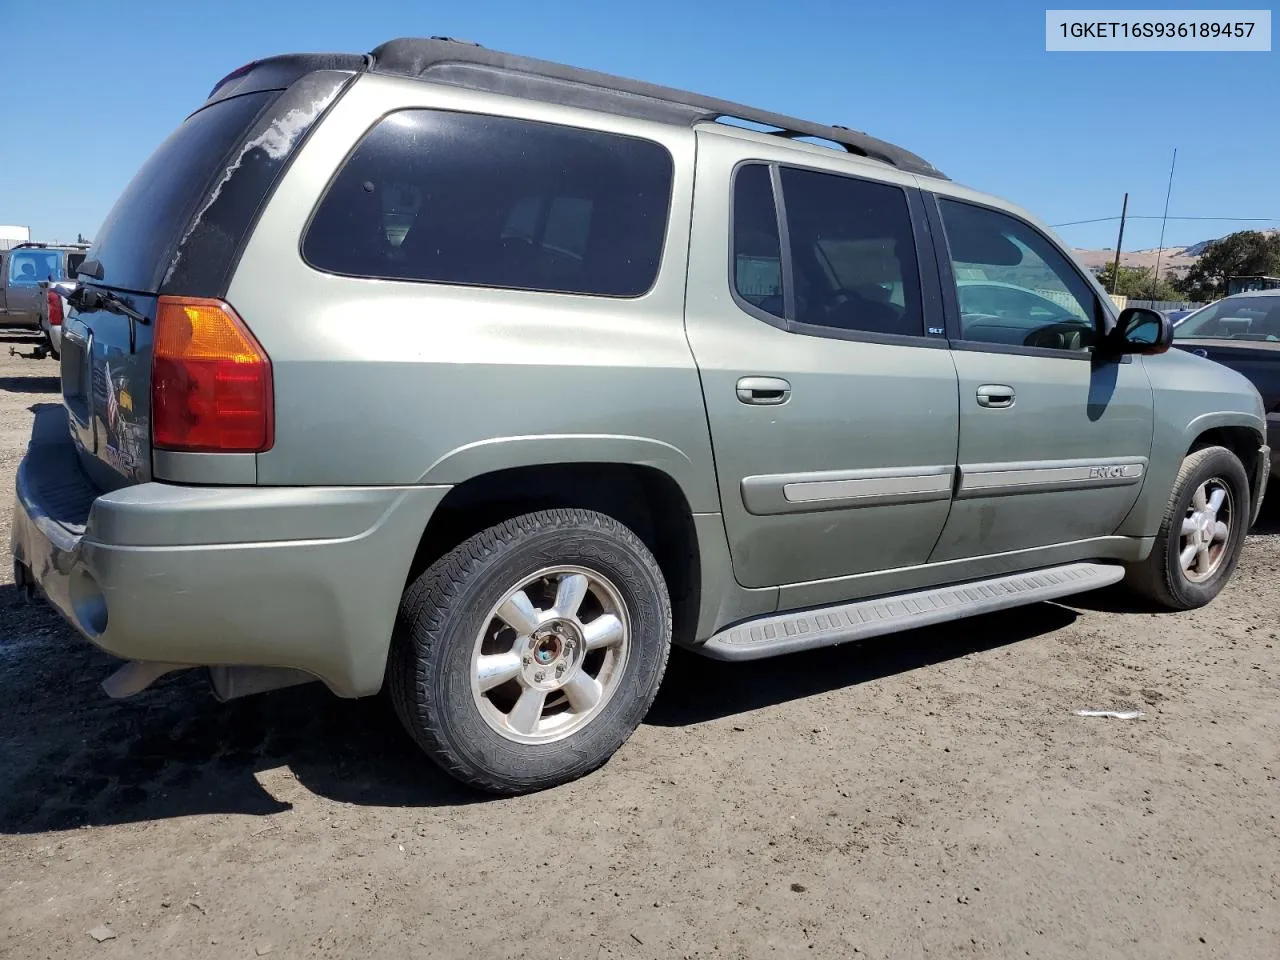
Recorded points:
1064,134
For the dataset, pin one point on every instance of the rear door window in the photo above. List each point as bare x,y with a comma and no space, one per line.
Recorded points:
853,256
757,250
496,202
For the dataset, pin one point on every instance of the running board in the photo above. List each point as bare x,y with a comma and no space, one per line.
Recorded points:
827,626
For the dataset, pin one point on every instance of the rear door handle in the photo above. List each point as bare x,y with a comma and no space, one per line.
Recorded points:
763,391
995,395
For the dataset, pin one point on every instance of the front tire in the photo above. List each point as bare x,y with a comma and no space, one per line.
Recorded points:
1201,535
527,655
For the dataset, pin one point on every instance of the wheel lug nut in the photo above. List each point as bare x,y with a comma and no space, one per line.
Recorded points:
527,660
539,677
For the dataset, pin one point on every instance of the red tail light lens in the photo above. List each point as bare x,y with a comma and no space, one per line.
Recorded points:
211,388
55,309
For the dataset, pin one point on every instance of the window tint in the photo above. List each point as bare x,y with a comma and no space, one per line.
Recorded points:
31,266
757,258
497,202
852,254
73,263
1013,285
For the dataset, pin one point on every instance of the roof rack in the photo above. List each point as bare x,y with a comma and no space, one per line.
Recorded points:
461,63
43,245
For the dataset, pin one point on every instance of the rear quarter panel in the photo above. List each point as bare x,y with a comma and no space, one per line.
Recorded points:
394,382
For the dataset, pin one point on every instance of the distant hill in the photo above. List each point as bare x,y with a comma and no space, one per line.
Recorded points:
1173,261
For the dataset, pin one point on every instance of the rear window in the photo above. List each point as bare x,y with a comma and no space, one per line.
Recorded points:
144,227
496,202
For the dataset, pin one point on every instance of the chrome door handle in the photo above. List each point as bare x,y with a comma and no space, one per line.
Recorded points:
763,391
995,395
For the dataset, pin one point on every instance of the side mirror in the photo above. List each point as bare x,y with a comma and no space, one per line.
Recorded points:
1140,330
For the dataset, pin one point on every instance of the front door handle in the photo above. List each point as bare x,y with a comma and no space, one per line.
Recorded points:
995,395
763,391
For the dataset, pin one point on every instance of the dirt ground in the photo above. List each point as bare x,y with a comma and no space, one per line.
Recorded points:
929,794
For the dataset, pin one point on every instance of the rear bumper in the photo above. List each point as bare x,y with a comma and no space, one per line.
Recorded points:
306,578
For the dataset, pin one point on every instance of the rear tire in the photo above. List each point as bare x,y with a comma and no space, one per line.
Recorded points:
1201,535
527,655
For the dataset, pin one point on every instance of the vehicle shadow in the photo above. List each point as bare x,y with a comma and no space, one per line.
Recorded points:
697,689
1269,519
74,757
31,384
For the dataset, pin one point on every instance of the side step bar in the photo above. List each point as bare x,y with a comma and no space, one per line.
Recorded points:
826,626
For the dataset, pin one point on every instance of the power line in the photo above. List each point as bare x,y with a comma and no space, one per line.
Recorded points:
1133,216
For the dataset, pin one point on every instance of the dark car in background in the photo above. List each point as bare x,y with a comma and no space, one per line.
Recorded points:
1242,332
22,268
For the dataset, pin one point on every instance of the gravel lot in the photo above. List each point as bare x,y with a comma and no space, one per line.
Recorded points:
929,794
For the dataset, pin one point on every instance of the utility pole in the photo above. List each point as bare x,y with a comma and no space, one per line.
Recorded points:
1115,269
1155,280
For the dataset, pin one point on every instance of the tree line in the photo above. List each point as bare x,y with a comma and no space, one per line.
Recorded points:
1247,253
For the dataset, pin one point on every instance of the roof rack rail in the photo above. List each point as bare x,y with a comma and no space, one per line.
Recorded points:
465,64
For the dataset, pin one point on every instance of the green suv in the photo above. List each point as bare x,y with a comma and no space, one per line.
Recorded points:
654,378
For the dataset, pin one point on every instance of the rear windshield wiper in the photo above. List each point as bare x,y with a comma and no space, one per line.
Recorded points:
90,298
85,298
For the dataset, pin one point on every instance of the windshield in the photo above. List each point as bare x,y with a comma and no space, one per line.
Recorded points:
31,266
1235,318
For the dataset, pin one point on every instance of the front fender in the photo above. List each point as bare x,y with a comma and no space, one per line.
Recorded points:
1172,442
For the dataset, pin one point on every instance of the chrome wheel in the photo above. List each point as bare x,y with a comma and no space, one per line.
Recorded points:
550,655
1206,529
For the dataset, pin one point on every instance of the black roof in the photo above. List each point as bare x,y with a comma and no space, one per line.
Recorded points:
444,60
456,62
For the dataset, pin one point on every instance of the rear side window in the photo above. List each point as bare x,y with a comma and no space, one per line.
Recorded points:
496,202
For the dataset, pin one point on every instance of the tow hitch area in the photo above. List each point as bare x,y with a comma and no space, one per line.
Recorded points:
38,352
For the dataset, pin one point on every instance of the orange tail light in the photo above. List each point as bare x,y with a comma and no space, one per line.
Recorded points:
211,387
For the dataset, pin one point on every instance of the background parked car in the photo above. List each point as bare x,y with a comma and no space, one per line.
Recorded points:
22,268
1242,332
53,310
